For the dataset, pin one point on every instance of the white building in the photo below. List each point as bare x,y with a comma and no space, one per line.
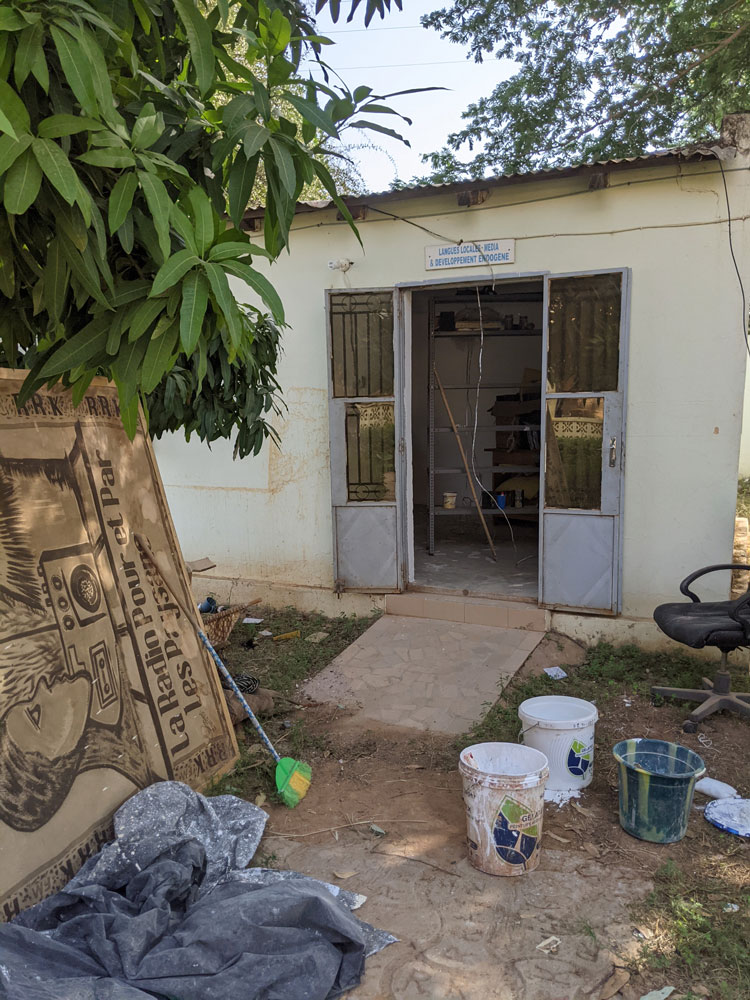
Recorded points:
605,307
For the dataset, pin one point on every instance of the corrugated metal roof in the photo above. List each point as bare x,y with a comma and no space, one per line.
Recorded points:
695,151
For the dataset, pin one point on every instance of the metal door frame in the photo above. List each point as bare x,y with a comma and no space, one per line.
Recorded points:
402,346
334,430
403,290
622,390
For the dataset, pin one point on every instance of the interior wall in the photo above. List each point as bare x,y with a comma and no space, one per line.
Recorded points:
504,360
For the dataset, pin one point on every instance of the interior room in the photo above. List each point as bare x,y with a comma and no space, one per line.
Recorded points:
484,345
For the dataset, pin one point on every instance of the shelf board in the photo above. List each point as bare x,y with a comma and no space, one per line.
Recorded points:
487,333
487,511
518,427
489,468
467,427
485,385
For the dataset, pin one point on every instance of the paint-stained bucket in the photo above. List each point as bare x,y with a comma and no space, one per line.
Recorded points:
504,796
449,501
657,781
563,729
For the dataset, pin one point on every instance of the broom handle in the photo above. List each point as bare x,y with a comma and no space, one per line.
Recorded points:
466,464
146,550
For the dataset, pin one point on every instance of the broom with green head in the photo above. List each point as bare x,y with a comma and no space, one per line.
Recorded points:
292,776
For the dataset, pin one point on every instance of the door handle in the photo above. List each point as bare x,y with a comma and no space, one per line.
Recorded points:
612,452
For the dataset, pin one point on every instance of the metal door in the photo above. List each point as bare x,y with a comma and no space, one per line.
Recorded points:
585,352
366,415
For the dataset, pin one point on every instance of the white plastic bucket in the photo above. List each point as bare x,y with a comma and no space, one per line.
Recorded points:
504,797
563,730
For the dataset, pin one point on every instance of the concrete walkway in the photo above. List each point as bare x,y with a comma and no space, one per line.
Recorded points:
423,673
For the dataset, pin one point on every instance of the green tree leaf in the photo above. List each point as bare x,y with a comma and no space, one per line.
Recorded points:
192,310
55,281
260,284
144,316
78,390
225,301
56,168
172,270
254,137
6,127
85,346
11,149
114,158
329,185
15,115
128,408
75,66
285,164
22,183
57,126
160,206
30,57
121,200
184,227
10,20
279,33
159,355
148,127
312,113
229,250
200,41
240,185
126,368
203,218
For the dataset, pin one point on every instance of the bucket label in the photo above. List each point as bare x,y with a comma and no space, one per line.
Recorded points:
515,831
579,758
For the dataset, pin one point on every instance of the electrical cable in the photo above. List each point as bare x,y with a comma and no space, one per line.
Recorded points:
534,201
734,261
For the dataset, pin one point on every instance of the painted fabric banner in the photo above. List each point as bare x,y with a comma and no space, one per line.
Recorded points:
104,688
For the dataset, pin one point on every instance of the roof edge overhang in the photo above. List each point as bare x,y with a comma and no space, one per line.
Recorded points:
675,157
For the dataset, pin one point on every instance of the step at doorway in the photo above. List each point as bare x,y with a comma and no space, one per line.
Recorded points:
469,610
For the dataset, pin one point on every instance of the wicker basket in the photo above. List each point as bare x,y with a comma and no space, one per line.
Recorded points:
218,627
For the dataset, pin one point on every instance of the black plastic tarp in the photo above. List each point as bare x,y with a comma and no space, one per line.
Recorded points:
169,909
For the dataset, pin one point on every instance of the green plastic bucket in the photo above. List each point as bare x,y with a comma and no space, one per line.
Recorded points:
657,781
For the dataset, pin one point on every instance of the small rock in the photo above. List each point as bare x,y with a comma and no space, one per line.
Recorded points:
618,979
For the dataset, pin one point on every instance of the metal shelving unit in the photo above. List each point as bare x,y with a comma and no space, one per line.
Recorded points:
436,335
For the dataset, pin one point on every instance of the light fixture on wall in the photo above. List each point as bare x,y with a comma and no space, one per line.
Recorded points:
340,265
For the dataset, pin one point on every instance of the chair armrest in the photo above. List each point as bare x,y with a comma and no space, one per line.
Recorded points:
685,585
734,612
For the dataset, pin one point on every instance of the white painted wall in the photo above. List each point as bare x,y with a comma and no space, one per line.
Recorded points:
268,519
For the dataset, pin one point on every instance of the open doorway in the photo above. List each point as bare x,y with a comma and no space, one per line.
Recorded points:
484,345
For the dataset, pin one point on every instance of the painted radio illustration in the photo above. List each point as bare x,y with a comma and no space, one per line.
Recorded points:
74,593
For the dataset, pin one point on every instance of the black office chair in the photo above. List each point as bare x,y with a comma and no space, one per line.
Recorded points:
724,624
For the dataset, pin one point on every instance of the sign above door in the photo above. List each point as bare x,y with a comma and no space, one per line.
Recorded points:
468,254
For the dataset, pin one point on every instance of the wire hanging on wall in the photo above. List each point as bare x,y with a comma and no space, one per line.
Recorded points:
734,260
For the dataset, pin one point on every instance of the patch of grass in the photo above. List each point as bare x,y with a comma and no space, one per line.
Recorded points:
695,941
253,773
584,927
607,672
283,665
743,496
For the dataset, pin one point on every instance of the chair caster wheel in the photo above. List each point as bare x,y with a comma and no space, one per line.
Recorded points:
689,727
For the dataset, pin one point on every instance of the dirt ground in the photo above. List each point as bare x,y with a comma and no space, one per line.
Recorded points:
463,934
385,818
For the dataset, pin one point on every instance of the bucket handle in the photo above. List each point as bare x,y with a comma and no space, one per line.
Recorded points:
522,732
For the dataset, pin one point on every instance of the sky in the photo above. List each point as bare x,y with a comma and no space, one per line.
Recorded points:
395,54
